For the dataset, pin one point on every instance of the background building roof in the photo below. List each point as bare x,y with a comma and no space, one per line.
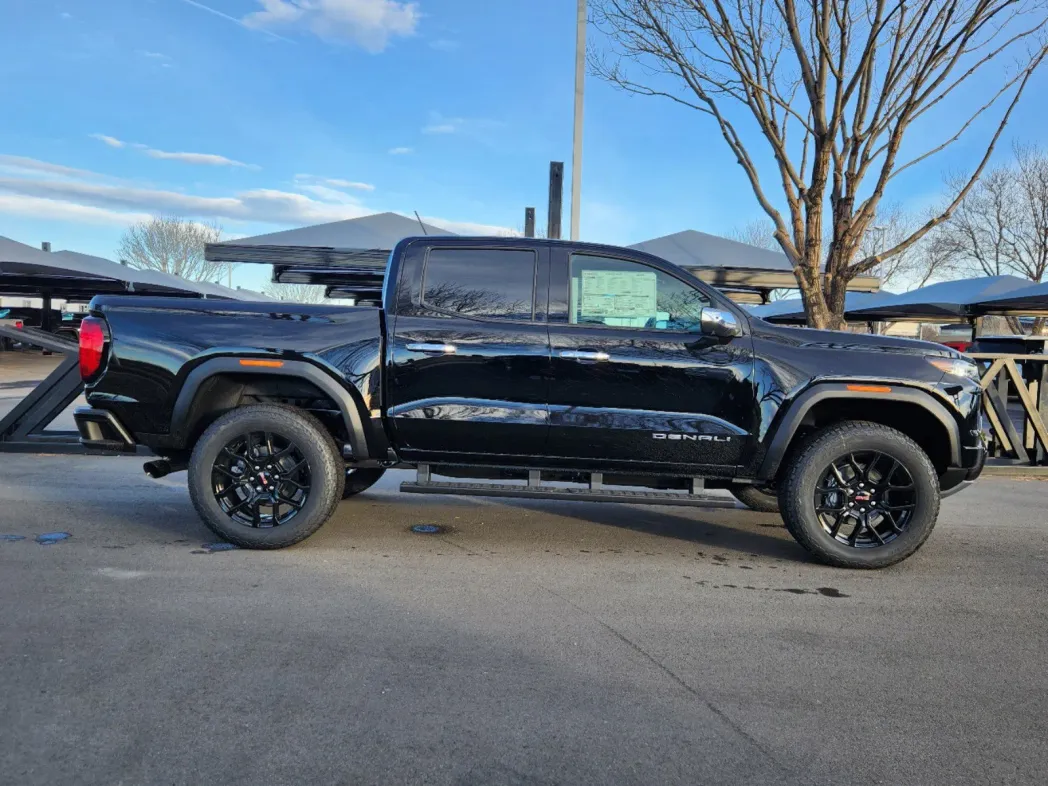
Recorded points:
691,248
379,231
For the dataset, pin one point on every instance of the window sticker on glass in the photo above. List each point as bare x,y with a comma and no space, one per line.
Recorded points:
617,293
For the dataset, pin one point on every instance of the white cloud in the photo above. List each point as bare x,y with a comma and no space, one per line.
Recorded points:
334,182
470,126
471,228
66,15
328,194
264,205
41,189
153,55
112,141
368,23
56,210
446,126
232,19
401,151
204,159
21,164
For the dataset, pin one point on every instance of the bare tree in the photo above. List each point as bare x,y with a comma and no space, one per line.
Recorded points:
172,245
758,232
911,268
908,269
294,293
832,89
1001,227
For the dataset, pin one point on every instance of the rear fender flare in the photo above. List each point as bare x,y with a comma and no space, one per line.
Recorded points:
181,413
796,411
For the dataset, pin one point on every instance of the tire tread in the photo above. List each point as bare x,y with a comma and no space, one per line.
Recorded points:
848,433
329,477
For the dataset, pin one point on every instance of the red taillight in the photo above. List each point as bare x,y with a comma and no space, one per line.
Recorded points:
19,325
92,346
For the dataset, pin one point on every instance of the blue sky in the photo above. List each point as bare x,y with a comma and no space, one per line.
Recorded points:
268,114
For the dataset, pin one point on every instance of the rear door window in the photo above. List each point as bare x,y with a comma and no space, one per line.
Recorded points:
480,283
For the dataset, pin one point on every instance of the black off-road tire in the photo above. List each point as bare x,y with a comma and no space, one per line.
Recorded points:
756,498
326,468
358,480
812,459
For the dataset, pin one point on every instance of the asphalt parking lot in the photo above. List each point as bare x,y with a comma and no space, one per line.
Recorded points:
528,643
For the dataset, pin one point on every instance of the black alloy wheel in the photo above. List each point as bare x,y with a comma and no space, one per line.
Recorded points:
857,494
865,499
261,479
266,476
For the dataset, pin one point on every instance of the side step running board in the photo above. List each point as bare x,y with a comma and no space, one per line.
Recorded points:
595,493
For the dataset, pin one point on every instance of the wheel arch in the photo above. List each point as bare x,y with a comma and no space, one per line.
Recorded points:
913,411
191,415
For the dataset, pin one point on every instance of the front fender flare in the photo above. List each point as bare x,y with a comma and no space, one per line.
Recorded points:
181,413
821,391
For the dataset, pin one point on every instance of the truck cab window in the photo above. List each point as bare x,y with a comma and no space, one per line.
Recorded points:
482,283
619,293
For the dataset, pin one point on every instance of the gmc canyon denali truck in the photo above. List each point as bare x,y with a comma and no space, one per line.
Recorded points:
548,369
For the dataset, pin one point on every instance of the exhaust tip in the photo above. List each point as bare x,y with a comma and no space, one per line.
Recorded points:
157,469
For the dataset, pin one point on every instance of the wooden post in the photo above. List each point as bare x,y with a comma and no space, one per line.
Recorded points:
1042,409
556,198
529,222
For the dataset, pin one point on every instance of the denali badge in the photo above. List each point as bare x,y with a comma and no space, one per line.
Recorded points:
691,437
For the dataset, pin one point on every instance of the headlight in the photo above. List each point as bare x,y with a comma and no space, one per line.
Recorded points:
957,367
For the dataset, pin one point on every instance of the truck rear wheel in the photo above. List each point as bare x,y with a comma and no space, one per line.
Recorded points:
756,498
358,480
860,495
265,476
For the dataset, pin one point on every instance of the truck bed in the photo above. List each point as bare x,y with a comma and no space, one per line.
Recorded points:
157,342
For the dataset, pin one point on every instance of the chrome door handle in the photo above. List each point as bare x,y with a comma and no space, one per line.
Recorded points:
433,349
574,354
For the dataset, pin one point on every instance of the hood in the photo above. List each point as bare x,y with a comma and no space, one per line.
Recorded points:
861,342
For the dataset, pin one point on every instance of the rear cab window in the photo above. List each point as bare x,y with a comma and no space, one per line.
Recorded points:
480,283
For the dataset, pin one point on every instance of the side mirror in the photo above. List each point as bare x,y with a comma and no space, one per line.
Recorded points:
715,322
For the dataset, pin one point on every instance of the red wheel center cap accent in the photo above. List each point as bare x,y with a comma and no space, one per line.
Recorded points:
862,496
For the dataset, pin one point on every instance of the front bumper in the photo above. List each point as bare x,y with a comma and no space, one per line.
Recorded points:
956,479
100,430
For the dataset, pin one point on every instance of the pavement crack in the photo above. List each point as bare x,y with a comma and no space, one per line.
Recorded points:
676,678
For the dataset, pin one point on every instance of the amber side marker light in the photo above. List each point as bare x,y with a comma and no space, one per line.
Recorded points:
262,363
866,388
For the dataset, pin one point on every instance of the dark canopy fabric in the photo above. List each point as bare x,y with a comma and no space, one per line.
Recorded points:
142,280
1031,299
950,299
792,311
24,269
70,274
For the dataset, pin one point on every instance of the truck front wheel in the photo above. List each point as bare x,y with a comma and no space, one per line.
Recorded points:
265,476
860,495
358,480
756,498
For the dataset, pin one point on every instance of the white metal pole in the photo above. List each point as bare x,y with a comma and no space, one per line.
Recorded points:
576,150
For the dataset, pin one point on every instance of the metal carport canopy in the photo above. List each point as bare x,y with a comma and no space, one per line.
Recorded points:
70,274
949,300
1031,300
729,264
792,311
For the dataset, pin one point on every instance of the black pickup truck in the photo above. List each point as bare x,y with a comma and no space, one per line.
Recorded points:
547,369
